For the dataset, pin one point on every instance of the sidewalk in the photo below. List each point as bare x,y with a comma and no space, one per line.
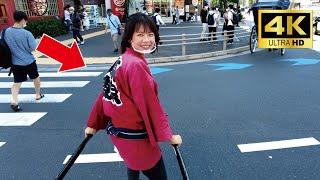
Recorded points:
98,47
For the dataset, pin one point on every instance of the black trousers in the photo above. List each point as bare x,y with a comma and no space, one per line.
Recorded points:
230,34
212,31
76,35
158,172
174,21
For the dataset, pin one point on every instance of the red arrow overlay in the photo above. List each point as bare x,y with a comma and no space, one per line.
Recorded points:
70,58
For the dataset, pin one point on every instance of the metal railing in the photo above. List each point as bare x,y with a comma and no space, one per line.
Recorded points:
185,40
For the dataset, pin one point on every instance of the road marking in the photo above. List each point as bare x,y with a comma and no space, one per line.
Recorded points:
230,66
51,84
65,74
96,158
302,61
2,143
263,146
20,119
30,98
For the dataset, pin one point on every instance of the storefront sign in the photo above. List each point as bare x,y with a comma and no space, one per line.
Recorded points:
118,8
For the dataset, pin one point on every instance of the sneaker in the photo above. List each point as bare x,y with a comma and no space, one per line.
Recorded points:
82,42
116,50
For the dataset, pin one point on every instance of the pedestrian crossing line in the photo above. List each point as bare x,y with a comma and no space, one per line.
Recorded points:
30,98
263,146
20,119
50,84
88,68
96,158
65,74
2,143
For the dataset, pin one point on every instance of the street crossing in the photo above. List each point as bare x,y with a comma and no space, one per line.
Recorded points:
50,79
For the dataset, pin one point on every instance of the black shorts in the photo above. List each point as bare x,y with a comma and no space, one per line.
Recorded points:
20,72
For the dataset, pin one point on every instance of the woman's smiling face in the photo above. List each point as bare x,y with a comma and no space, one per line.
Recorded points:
143,39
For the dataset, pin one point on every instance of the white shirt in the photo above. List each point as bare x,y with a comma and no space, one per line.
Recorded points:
67,15
159,19
230,17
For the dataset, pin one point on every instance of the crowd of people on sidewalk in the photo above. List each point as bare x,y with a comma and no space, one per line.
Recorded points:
210,19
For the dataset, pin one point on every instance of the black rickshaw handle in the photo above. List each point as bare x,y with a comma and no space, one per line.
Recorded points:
182,166
73,157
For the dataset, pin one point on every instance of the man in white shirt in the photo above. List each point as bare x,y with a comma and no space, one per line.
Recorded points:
158,18
114,25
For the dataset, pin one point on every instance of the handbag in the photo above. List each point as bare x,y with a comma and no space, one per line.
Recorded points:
119,30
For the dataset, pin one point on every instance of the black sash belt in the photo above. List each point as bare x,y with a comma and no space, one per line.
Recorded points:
126,133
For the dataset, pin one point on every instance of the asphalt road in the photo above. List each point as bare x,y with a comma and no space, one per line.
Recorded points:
255,98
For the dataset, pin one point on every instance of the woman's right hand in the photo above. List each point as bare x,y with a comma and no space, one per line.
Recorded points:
176,140
89,130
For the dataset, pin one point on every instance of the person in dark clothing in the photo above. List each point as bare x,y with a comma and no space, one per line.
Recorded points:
203,15
76,24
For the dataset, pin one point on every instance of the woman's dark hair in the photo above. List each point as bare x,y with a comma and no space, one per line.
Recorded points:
66,7
135,21
19,15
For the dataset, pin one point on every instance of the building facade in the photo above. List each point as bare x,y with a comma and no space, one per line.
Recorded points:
35,9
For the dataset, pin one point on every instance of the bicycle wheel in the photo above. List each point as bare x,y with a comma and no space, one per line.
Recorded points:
253,39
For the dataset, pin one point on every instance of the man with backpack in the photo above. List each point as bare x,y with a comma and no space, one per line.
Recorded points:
213,23
21,44
157,18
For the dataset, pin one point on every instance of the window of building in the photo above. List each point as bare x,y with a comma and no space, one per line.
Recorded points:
38,7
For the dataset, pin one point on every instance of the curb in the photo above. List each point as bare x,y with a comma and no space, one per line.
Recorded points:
197,56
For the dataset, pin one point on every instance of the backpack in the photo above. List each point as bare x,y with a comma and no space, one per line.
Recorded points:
154,18
5,53
210,19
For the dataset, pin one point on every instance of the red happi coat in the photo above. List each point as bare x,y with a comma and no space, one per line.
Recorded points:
136,106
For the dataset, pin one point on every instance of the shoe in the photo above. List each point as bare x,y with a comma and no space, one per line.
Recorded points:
15,107
160,43
82,42
116,50
41,96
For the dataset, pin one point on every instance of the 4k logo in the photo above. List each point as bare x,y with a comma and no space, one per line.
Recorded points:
285,29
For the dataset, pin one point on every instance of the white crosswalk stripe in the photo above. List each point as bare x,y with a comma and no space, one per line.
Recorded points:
65,74
20,119
2,143
48,84
30,98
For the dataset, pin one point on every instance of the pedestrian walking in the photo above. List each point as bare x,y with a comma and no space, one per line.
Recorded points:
76,25
157,18
203,15
144,11
86,22
196,11
67,19
128,106
230,25
174,21
212,23
177,15
22,43
113,23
